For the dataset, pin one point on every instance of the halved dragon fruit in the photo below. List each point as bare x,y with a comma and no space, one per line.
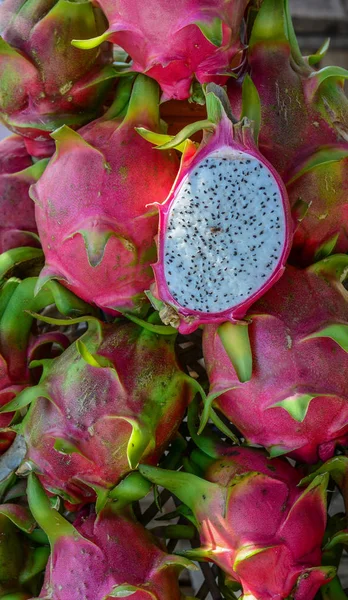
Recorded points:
225,228
175,43
17,174
254,521
104,556
302,108
45,82
284,385
113,398
96,228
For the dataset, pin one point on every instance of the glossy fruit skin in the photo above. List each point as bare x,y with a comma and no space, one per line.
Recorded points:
117,551
116,395
45,81
309,105
167,42
96,228
254,521
295,400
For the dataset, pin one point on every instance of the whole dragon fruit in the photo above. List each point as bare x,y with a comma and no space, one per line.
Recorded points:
284,386
17,174
318,197
114,397
44,81
254,522
175,43
19,341
103,557
95,227
302,109
225,228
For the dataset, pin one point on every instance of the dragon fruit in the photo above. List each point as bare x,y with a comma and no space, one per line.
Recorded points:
120,557
114,397
318,197
284,384
302,109
225,228
254,522
44,81
19,342
175,43
17,173
95,227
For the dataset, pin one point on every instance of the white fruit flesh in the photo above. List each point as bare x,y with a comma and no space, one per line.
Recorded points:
225,232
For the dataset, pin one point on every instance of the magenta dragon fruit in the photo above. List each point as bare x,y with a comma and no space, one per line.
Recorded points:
96,228
282,379
44,81
17,174
254,522
225,228
120,557
302,109
19,342
318,197
175,43
114,397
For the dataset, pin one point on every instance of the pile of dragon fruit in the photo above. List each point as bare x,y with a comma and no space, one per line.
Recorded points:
130,253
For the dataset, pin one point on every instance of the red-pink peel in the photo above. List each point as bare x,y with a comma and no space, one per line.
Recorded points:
254,522
97,229
175,43
302,108
45,82
103,556
284,385
114,397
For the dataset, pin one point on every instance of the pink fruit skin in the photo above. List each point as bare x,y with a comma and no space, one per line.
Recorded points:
224,137
90,405
237,461
287,365
108,176
165,43
307,126
45,81
265,509
324,189
311,109
254,521
16,207
114,550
